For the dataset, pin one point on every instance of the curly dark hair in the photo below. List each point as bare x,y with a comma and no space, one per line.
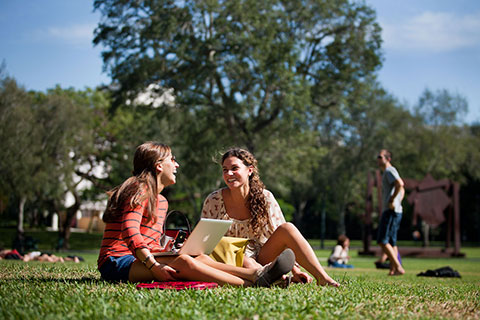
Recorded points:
256,202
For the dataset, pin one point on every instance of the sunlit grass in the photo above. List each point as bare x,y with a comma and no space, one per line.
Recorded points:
53,291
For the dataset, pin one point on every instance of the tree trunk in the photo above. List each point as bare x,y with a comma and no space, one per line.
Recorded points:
65,231
64,241
36,217
298,215
21,206
341,220
19,241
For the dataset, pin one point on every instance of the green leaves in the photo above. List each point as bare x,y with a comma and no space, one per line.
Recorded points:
293,81
243,72
249,63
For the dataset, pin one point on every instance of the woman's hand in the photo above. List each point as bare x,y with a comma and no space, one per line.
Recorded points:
300,277
163,272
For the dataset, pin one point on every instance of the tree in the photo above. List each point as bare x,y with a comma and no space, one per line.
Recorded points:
350,137
19,144
46,138
436,140
245,63
67,120
244,73
441,108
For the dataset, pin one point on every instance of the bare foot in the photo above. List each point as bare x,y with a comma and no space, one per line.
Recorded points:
334,284
328,282
397,272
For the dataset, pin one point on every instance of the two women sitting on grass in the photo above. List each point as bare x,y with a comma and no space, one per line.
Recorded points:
134,222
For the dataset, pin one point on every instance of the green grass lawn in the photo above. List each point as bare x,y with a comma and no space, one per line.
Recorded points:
37,290
48,240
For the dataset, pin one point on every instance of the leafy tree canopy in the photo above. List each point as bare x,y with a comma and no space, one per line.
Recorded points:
242,64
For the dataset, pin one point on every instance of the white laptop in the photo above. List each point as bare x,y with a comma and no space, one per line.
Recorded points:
203,239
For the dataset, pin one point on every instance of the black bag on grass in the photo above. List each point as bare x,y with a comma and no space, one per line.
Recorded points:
444,272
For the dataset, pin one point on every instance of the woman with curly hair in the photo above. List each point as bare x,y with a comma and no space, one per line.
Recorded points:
134,219
257,216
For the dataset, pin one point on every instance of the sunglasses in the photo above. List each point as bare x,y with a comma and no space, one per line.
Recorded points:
174,160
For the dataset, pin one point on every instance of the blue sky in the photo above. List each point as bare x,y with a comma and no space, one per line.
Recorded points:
431,44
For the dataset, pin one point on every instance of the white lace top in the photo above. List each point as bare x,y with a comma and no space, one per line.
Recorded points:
214,208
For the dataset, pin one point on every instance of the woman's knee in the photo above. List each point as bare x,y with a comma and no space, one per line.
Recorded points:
288,227
204,258
184,262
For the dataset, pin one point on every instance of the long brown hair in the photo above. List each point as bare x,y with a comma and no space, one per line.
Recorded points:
341,239
141,185
256,202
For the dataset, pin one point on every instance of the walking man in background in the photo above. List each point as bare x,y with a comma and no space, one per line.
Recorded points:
392,196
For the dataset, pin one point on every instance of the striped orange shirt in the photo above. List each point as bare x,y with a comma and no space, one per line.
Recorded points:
133,232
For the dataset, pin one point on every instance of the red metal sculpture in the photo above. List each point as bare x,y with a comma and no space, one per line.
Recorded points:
433,201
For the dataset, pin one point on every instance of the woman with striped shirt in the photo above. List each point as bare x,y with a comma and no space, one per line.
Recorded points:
134,222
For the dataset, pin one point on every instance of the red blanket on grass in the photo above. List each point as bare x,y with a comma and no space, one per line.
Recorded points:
178,285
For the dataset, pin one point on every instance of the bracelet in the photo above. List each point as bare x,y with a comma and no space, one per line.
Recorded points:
146,259
153,264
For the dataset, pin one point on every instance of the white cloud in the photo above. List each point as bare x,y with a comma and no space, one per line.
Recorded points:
433,32
75,34
79,35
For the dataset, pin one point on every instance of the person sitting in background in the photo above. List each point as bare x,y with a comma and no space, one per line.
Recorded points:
339,257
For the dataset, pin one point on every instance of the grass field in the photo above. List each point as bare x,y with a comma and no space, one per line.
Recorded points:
37,290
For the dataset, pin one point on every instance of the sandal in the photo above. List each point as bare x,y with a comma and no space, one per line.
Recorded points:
283,282
276,269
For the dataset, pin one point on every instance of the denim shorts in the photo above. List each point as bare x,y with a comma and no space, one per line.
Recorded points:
388,227
336,264
116,268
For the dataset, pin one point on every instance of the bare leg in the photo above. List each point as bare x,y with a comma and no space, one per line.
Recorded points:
249,274
395,267
382,258
395,252
74,259
288,236
251,263
188,268
43,257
